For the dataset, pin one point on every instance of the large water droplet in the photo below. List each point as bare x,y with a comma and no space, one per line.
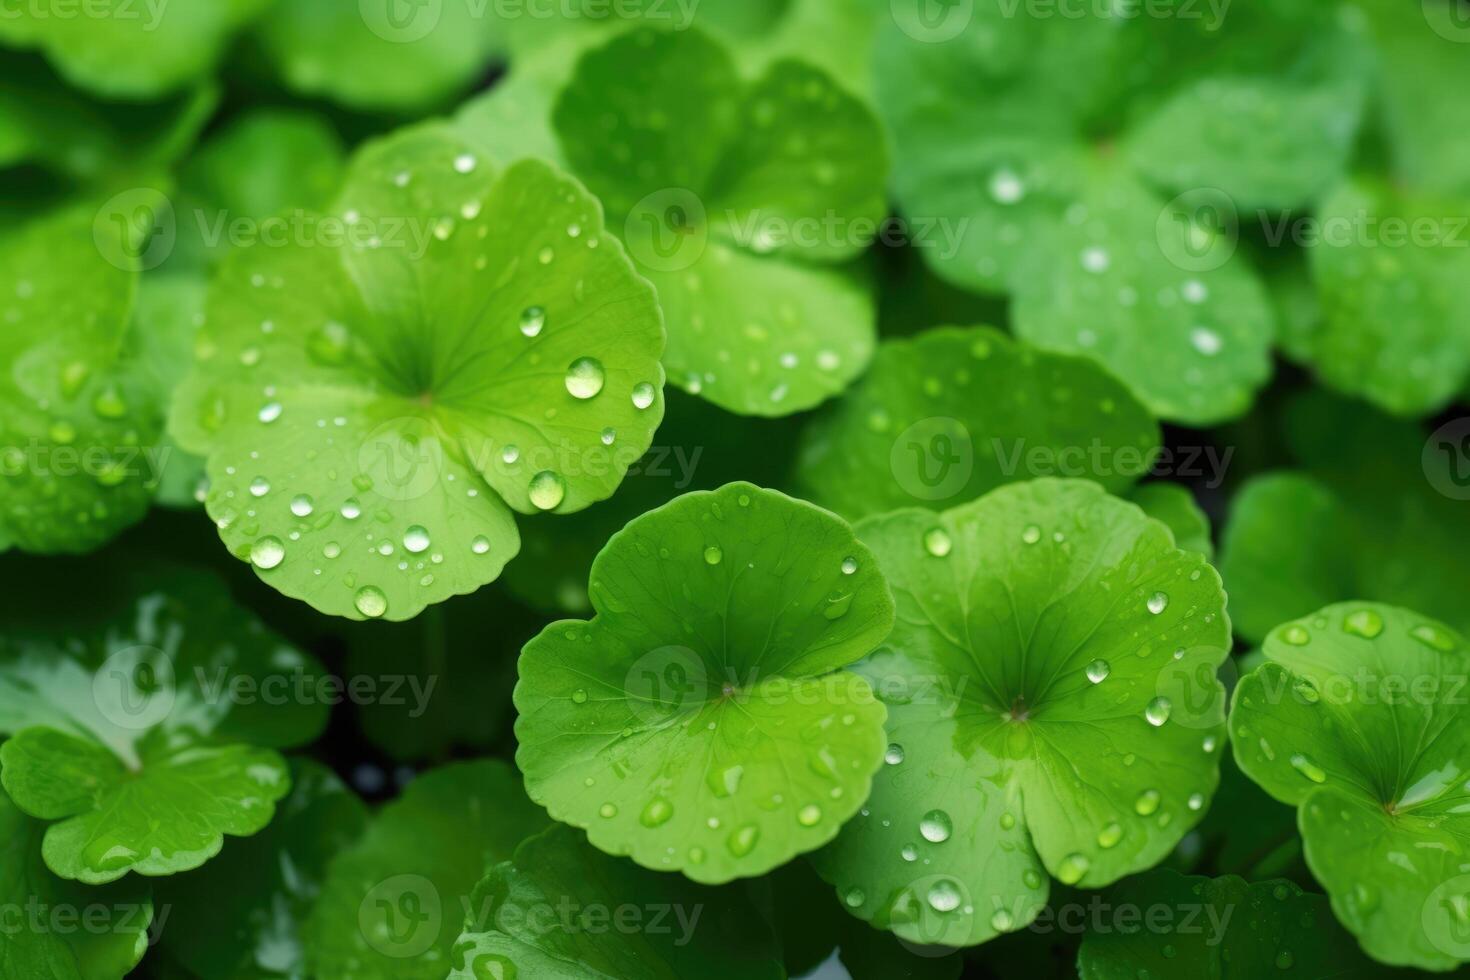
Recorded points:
1110,835
1072,868
1098,671
1157,603
1304,765
370,601
713,555
809,815
1147,803
585,378
742,841
1365,623
547,490
643,395
267,553
935,826
937,542
351,509
1157,711
1297,636
416,539
260,486
480,545
533,319
656,813
943,896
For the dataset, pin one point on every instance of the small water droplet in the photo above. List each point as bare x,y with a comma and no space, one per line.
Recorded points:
302,505
1304,765
269,412
1297,636
656,813
1031,534
1001,921
1365,623
1072,868
854,898
481,544
742,841
943,896
809,815
351,509
894,754
713,555
643,395
1098,671
464,164
416,539
607,811
1147,803
260,486
1157,603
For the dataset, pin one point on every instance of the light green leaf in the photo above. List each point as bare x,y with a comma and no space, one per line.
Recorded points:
698,931
118,915
1223,928
1390,270
393,904
954,413
1358,719
78,421
1044,624
743,199
374,413
167,314
161,708
701,720
129,50
377,55
1174,507
241,914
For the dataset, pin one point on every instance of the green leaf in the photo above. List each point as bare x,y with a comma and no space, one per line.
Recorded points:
954,413
1175,507
129,51
174,706
43,120
1396,320
241,914
1043,624
743,200
561,909
78,420
1358,719
373,416
701,720
167,315
1192,340
393,904
1221,927
369,55
266,162
37,942
1244,832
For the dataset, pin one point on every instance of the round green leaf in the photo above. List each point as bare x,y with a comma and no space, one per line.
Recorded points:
392,904
1396,319
1222,928
166,708
79,424
125,50
679,929
742,200
241,914
1358,719
117,915
701,720
952,414
1042,625
373,413
376,55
